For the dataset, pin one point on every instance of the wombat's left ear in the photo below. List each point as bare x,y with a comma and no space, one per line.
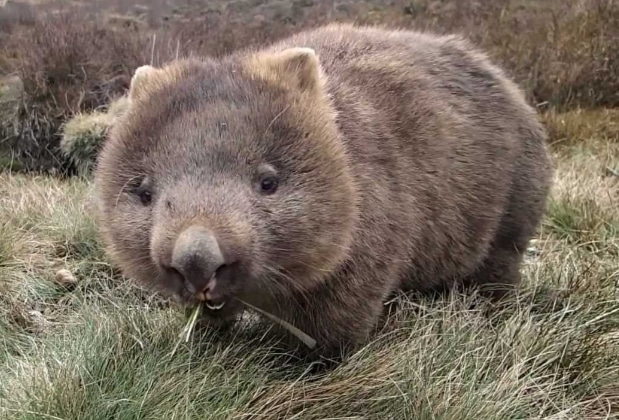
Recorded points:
298,66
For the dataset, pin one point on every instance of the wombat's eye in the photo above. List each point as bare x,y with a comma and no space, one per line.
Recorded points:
268,184
143,191
145,197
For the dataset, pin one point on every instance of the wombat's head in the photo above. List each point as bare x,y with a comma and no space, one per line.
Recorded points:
227,179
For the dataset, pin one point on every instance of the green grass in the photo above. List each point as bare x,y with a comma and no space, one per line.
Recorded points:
101,348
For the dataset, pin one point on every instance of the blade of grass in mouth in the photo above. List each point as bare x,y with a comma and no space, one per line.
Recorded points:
188,329
306,339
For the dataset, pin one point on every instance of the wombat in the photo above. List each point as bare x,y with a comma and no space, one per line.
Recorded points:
316,176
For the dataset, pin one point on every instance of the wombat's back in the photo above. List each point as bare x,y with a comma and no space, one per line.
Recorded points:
448,155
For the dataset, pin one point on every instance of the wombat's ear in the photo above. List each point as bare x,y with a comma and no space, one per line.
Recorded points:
297,66
139,81
145,79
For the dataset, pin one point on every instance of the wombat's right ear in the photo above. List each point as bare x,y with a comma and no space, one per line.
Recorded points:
148,79
145,79
298,67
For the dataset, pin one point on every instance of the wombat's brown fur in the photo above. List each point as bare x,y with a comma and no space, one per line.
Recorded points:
316,176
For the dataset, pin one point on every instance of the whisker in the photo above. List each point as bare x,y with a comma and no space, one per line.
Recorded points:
123,189
275,119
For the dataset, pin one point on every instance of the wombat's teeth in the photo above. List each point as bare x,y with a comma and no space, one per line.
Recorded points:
215,307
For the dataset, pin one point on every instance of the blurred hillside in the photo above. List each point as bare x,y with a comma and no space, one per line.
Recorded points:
61,58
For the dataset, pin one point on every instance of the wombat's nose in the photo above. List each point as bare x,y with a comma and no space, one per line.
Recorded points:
197,256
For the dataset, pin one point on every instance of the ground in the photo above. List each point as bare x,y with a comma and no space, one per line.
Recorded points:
89,344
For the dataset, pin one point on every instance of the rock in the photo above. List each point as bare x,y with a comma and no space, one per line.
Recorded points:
11,92
65,278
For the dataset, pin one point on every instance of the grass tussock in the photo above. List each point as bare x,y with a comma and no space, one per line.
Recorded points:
99,347
83,135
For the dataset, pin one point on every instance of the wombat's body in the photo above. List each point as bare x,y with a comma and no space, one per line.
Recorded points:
315,177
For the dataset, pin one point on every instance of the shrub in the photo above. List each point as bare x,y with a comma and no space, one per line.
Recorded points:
75,58
570,58
67,65
564,53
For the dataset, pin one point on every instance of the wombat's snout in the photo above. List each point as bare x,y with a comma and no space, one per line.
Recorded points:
198,257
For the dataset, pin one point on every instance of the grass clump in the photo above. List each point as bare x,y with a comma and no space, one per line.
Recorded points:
441,361
84,134
583,222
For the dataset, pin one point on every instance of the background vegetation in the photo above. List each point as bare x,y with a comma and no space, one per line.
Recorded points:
73,57
86,344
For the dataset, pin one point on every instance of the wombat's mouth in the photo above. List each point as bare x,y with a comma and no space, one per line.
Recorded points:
223,307
212,296
217,294
217,298
212,301
215,307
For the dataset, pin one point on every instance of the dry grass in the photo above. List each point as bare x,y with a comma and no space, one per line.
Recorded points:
100,348
587,146
577,126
